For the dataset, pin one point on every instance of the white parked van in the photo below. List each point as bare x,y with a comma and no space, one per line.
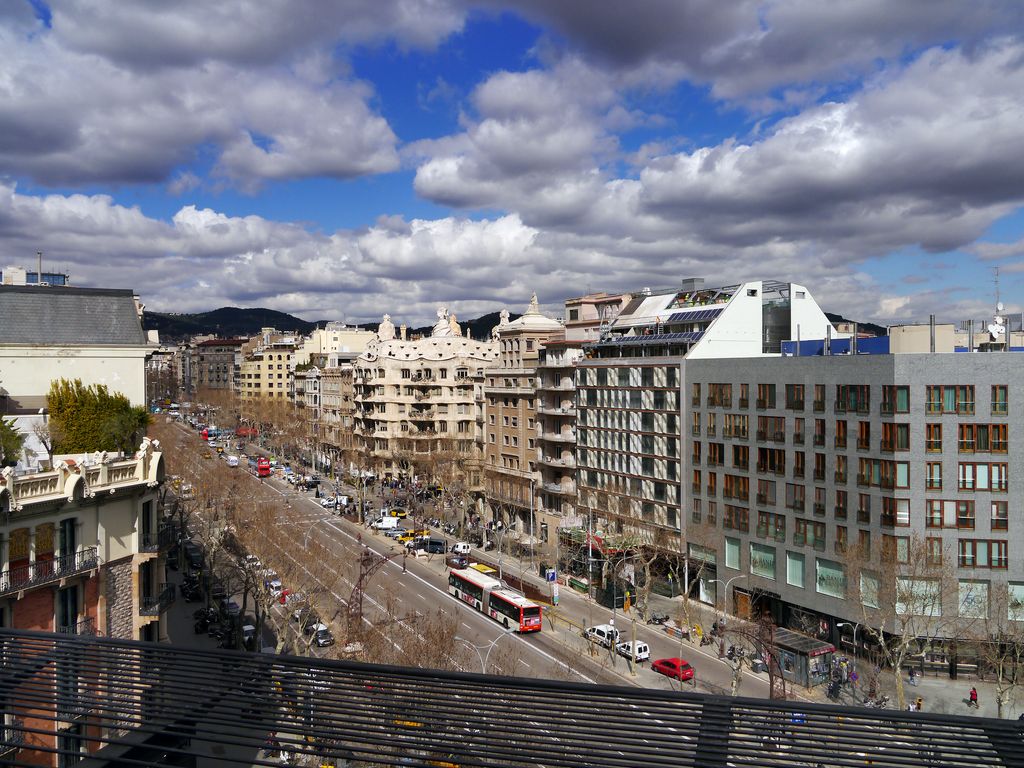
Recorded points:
638,649
602,634
385,523
460,548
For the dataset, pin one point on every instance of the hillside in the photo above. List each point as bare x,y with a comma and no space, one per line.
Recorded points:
244,322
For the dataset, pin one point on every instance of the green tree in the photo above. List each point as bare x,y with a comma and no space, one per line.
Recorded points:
91,418
11,443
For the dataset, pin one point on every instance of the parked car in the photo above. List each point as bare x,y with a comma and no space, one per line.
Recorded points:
676,668
328,502
457,561
638,650
275,588
395,532
603,634
322,635
435,546
249,636
460,548
230,608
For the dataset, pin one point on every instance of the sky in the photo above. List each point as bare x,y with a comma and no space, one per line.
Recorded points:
339,159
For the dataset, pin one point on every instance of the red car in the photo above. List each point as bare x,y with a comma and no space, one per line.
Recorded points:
675,668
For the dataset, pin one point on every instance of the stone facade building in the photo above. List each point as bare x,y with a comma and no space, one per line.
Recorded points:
510,427
419,403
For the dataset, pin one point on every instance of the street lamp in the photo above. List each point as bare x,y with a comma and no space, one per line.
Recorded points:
856,626
480,648
726,590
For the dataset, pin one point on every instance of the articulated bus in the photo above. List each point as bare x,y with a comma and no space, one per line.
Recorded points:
262,467
487,596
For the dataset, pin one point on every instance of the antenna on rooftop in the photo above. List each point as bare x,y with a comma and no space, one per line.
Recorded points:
996,270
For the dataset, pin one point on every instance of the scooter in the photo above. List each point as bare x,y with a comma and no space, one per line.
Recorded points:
657,618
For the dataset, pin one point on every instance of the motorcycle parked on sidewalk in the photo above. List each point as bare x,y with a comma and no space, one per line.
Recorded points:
657,618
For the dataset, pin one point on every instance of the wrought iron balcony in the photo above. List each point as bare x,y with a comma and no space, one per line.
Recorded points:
164,538
43,572
154,605
85,627
12,737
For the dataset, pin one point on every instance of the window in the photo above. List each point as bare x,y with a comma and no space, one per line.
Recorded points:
933,438
695,394
933,550
795,397
981,438
933,476
794,496
864,435
950,399
973,599
830,578
895,399
853,398
765,396
762,561
732,553
840,441
841,502
795,569
1000,516
999,400
982,477
819,398
895,437
980,553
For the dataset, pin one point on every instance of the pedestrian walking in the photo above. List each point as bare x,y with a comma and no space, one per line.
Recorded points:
913,676
974,697
918,704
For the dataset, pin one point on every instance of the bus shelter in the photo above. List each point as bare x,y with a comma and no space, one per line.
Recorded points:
805,660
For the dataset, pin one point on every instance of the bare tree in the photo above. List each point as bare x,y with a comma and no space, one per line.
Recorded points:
904,593
1000,639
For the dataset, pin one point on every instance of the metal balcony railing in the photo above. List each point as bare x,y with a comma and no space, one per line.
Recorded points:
47,571
85,627
164,538
12,736
154,605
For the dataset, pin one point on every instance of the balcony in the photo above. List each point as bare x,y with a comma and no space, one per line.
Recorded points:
799,539
819,544
558,462
548,410
154,605
165,538
85,627
762,498
419,397
424,415
819,508
744,402
798,438
762,404
795,405
564,385
560,437
819,406
566,489
42,572
12,737
819,440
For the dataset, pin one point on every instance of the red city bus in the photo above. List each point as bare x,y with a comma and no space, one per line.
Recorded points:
488,596
263,467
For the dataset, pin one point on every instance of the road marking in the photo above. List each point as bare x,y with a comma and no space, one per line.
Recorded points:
427,584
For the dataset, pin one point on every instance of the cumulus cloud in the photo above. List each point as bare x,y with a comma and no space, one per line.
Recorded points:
751,47
73,115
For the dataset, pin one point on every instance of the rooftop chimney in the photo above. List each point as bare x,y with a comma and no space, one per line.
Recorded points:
401,331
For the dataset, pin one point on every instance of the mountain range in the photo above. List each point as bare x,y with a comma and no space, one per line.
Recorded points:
244,322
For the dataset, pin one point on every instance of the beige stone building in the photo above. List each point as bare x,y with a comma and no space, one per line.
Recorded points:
266,368
344,340
510,428
216,364
419,403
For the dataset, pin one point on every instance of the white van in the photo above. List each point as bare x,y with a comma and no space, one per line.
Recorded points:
232,461
638,649
602,634
460,548
385,523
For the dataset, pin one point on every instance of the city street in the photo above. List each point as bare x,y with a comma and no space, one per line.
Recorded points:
558,652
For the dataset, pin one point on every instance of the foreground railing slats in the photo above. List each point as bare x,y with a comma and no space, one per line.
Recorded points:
148,704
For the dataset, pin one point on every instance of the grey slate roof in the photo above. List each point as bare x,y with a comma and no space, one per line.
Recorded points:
66,316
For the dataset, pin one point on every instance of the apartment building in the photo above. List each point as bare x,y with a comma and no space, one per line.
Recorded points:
419,403
82,551
556,407
53,332
511,415
217,364
337,416
334,337
267,364
631,414
834,463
